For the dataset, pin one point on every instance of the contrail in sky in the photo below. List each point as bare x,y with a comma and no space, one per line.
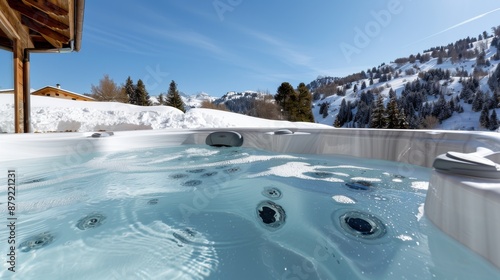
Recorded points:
463,22
457,25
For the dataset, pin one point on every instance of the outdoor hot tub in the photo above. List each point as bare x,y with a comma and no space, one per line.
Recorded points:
251,204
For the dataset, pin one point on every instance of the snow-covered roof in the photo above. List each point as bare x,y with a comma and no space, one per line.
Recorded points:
8,90
62,90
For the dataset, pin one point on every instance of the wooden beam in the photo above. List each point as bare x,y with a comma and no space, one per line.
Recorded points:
53,42
47,6
18,87
12,27
71,19
5,43
44,30
37,15
78,27
26,93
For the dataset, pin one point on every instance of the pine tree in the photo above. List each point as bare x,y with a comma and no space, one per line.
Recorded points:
478,102
403,123
392,113
367,97
287,99
440,59
363,85
173,97
412,118
392,94
495,99
344,114
484,118
497,55
141,94
130,91
452,105
325,112
419,57
362,117
305,98
378,116
161,99
493,125
441,109
323,109
494,80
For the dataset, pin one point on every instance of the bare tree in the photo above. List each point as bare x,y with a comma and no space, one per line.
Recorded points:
210,105
429,122
108,90
266,108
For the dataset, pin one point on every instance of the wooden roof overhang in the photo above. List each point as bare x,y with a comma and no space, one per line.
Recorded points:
37,26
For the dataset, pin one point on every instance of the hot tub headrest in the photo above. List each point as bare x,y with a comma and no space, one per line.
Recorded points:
102,134
477,164
224,139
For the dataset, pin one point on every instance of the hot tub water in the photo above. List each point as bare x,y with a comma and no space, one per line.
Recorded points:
194,212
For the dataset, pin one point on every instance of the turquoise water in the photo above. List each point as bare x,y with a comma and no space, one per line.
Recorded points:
195,212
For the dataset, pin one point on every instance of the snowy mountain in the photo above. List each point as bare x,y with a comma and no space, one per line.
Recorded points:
240,102
438,73
236,102
194,101
190,101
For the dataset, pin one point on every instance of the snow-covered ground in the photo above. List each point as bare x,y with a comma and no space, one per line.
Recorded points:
49,114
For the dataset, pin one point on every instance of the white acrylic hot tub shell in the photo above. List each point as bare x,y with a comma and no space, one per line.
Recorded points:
466,208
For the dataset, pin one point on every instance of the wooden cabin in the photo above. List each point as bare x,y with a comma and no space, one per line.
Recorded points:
58,92
41,26
6,91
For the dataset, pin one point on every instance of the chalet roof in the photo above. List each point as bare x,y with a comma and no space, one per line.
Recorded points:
7,90
57,89
41,24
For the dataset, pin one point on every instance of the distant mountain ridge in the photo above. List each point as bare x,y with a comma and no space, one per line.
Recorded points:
237,102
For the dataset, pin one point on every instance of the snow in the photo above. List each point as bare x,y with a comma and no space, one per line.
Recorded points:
49,114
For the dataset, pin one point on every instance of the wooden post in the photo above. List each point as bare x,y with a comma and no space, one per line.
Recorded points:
18,87
26,92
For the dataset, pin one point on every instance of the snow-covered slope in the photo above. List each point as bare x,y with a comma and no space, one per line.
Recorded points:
194,101
52,114
408,72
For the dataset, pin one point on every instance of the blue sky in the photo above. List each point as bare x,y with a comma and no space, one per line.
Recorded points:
217,46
